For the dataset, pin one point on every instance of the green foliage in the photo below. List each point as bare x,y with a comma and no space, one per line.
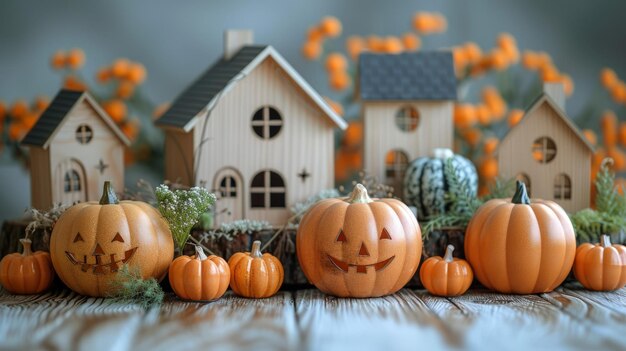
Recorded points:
182,208
501,189
610,213
459,198
130,288
299,209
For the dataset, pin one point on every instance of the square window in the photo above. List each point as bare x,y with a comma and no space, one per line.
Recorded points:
277,200
257,200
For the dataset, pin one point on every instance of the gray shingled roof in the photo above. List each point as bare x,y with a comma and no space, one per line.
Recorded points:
52,117
188,104
407,76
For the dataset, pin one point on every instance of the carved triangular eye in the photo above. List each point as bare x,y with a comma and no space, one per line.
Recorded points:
118,237
341,237
385,234
78,237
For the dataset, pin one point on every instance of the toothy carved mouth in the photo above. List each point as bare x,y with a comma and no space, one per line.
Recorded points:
360,268
99,267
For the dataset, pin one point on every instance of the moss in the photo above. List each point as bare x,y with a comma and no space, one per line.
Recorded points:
130,288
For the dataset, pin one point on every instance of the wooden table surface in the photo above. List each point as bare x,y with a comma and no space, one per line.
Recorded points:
569,318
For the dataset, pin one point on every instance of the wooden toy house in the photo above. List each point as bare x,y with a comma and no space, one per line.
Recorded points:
407,109
74,147
549,153
252,129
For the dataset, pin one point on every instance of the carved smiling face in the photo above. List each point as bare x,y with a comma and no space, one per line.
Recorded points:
99,261
359,247
364,254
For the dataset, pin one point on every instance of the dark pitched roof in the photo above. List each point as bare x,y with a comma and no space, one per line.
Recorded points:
52,117
188,104
407,76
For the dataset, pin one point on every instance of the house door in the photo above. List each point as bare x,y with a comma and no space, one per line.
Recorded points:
71,186
228,185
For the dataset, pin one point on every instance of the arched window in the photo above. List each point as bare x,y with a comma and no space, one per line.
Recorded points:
544,150
228,187
84,134
396,162
524,178
267,190
72,181
266,122
407,118
562,187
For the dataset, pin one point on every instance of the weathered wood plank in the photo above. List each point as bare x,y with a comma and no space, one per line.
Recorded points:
524,322
397,322
614,300
63,320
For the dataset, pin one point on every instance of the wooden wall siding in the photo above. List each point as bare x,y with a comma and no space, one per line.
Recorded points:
304,142
103,145
40,191
381,134
179,156
572,158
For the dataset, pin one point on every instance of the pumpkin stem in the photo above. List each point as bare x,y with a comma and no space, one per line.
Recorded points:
359,195
108,195
26,243
255,252
521,195
442,153
448,255
605,241
200,253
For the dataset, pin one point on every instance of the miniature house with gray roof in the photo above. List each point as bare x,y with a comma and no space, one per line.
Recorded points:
548,153
407,109
74,147
251,129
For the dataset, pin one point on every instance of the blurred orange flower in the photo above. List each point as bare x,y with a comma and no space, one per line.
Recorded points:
41,103
494,101
104,75
19,109
75,59
354,46
464,116
392,45
336,62
330,26
483,114
58,60
608,123
428,23
339,80
136,73
622,133
411,42
125,90
116,109
311,50
73,83
490,146
608,78
334,105
591,136
120,68
314,34
515,116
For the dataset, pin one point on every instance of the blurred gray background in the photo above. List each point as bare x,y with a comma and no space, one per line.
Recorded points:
177,40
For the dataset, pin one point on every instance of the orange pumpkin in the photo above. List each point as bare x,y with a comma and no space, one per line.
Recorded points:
601,266
358,246
91,241
28,272
516,246
447,276
199,278
254,274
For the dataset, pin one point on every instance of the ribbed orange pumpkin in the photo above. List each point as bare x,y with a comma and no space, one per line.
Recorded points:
28,272
255,275
447,276
358,246
515,246
601,267
91,241
199,278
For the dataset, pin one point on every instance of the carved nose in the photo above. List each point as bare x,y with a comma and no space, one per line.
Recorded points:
363,250
98,250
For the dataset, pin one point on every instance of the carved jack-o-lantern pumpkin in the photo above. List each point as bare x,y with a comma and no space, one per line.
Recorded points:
91,241
359,247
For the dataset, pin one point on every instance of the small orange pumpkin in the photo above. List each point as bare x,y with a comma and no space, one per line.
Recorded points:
601,267
518,246
447,276
254,274
199,278
28,272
